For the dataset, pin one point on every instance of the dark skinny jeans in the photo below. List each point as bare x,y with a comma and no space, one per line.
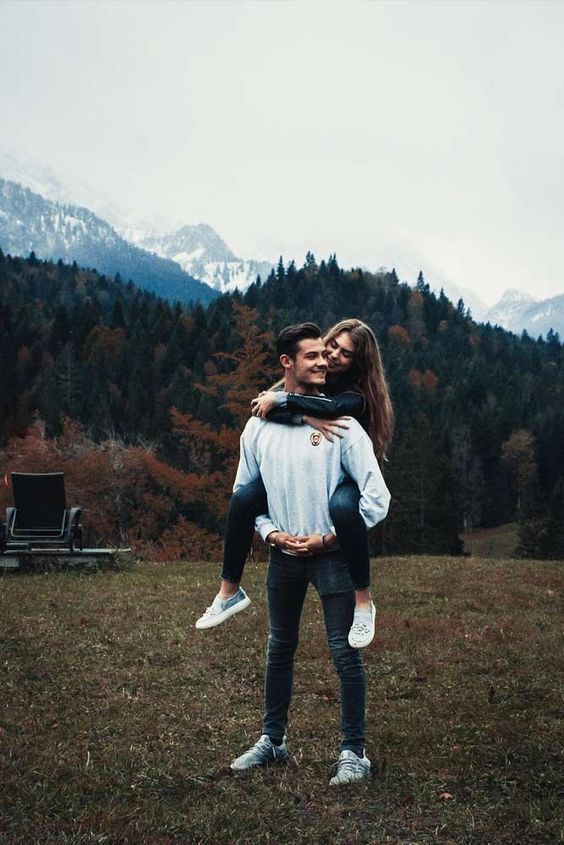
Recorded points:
287,582
250,501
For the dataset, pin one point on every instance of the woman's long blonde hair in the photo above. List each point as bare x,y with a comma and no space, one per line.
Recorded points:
367,375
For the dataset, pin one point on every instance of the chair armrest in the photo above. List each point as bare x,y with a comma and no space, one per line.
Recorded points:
74,515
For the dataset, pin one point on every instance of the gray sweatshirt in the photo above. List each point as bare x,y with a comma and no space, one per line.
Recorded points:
301,469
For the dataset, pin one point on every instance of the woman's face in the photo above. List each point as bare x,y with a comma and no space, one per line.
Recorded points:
339,352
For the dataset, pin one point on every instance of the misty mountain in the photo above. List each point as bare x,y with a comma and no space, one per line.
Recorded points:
518,311
201,252
198,249
29,222
43,180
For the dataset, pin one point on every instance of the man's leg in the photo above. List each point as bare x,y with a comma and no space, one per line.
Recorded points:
287,586
338,610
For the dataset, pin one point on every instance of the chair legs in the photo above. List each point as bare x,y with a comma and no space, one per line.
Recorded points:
76,538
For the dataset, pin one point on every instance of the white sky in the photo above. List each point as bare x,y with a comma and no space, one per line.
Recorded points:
422,134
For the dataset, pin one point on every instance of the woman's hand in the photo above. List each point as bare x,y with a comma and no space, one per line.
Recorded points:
263,403
328,428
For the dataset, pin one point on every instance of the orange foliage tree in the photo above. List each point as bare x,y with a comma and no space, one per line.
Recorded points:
131,493
212,452
97,476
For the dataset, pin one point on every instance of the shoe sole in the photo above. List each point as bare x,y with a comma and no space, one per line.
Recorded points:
366,642
221,617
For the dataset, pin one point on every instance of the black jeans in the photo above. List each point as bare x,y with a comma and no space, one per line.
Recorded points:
250,501
287,583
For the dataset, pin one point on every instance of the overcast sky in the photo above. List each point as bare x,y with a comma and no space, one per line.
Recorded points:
422,134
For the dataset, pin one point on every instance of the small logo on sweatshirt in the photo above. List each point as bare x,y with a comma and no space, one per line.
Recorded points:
315,438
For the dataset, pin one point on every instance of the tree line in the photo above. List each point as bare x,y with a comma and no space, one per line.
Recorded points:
480,412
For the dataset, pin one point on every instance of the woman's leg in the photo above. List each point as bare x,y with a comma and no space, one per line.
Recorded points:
246,504
353,537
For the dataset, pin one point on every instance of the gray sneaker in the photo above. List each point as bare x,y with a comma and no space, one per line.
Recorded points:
222,609
262,753
350,767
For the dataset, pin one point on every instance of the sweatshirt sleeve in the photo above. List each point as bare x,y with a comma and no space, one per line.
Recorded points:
247,471
359,462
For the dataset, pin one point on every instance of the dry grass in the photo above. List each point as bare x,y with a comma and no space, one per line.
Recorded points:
118,720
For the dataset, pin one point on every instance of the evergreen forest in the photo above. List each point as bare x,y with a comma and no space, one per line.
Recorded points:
141,402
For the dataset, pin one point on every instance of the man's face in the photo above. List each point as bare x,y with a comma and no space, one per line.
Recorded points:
309,366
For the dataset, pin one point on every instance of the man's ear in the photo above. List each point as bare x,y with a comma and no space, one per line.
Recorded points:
286,362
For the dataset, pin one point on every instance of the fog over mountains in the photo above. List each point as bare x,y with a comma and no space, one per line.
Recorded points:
28,222
74,222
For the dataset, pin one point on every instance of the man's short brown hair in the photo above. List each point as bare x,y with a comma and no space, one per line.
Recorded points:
290,336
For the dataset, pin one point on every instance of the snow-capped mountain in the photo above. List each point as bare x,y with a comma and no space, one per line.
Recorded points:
510,307
201,252
41,179
517,311
68,219
198,249
29,222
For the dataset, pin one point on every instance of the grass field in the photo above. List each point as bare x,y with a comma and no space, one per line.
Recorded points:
118,719
492,542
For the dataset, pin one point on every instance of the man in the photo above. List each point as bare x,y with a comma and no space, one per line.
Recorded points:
300,470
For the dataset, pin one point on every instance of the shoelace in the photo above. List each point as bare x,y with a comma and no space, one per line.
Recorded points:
211,610
264,745
346,765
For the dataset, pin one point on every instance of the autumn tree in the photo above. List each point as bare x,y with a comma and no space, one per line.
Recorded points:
209,452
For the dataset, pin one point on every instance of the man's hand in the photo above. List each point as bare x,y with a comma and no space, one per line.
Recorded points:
312,544
263,403
282,540
328,428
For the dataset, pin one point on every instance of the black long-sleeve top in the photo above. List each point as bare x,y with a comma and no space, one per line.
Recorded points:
341,401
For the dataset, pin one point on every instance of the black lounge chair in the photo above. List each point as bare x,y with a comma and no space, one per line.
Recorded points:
40,518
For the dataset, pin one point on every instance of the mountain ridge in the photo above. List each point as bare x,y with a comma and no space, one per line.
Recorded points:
202,253
31,223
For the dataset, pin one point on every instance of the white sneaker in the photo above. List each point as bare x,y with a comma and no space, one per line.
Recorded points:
262,753
222,609
362,629
350,767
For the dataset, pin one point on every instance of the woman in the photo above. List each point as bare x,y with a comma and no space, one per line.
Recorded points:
357,387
